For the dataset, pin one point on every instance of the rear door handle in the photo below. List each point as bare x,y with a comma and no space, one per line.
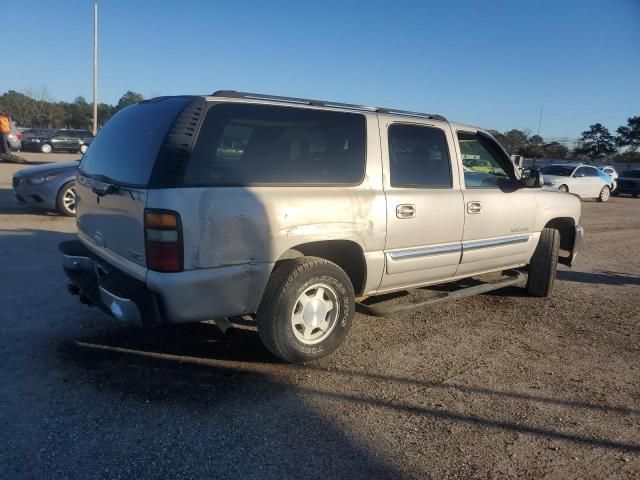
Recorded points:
406,210
474,207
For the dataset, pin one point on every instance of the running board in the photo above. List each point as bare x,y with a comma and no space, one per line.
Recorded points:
514,277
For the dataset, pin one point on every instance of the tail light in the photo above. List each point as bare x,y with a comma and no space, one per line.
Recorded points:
163,240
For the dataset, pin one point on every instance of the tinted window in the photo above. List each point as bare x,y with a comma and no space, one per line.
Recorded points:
418,157
631,174
480,161
243,144
580,172
126,148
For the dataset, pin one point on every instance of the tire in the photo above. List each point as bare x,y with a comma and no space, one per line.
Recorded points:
605,193
46,148
66,193
544,263
563,188
293,295
83,149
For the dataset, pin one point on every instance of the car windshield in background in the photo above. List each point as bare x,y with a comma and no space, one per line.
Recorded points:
126,148
558,170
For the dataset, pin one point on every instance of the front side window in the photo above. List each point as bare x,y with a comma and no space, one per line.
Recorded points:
418,157
480,161
580,172
243,144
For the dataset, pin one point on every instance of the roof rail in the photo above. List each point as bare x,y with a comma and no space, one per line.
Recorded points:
324,103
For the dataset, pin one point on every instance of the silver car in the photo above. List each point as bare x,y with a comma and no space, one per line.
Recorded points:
582,180
288,210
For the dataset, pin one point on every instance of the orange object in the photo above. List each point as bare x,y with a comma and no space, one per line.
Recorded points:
4,124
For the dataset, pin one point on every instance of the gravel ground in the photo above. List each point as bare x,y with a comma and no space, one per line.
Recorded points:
500,385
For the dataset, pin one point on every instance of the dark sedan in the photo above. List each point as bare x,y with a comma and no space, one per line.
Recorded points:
50,186
76,141
628,183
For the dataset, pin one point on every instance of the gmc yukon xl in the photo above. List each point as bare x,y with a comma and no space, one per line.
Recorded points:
288,210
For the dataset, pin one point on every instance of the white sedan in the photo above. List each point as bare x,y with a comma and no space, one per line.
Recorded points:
583,180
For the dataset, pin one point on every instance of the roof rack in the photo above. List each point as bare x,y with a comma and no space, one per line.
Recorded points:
324,103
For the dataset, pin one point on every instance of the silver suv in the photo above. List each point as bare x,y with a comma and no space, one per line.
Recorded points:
288,210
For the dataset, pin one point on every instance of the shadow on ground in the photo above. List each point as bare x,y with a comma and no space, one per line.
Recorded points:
199,366
603,278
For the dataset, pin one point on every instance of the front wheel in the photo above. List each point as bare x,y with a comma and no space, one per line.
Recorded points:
605,193
306,310
544,263
83,149
563,188
66,200
45,148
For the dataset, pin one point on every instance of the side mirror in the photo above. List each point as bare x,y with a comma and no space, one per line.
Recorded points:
533,180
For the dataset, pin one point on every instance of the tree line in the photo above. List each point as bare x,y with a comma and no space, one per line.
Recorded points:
594,143
37,111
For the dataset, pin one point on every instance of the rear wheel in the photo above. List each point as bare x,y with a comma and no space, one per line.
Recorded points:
563,188
544,263
67,199
605,193
306,310
83,149
45,148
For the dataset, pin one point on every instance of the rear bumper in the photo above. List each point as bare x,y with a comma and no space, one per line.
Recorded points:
113,291
182,297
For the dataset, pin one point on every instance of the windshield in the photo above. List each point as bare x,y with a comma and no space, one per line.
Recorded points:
125,150
558,170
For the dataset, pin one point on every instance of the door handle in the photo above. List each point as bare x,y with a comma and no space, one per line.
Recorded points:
474,207
406,210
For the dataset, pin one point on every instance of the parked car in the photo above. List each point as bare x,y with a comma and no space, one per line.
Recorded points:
609,170
37,132
85,137
583,180
629,183
76,141
50,186
286,210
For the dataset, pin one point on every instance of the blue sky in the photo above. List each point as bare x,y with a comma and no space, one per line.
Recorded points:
488,63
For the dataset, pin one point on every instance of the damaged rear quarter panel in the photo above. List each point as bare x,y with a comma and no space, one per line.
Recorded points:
238,225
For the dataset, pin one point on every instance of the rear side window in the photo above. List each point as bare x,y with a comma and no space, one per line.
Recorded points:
241,144
418,157
125,150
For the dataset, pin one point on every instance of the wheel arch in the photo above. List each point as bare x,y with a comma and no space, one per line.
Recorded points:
347,254
567,228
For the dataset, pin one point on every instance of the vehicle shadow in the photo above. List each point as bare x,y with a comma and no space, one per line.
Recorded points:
198,365
603,278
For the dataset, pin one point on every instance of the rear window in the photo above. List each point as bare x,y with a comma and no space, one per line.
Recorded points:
241,144
125,150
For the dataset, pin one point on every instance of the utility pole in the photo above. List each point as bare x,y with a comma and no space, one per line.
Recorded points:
540,119
95,68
